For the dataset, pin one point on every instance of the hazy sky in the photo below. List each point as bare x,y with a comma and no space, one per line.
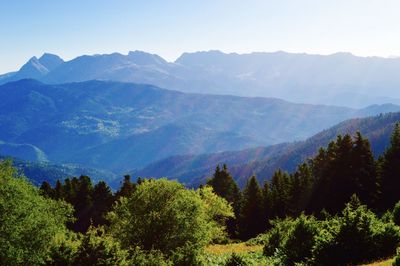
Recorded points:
169,27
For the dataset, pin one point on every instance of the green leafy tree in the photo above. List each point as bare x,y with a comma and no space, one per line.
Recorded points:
163,215
29,223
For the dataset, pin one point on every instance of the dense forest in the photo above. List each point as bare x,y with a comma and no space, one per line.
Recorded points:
338,208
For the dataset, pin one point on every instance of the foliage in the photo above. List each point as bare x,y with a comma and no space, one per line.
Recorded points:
354,237
29,223
225,186
252,217
97,248
163,215
396,214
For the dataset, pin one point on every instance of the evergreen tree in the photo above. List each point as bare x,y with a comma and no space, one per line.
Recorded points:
46,190
267,204
364,171
390,172
252,220
83,204
127,187
279,193
102,203
225,186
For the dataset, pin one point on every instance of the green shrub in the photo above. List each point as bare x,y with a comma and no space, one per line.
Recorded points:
97,248
276,236
396,214
236,260
355,237
292,240
397,259
300,239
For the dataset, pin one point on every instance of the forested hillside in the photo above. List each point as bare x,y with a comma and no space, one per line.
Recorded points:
263,161
341,207
122,126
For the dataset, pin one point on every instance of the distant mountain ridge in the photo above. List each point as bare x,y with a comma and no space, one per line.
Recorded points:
124,126
338,79
263,161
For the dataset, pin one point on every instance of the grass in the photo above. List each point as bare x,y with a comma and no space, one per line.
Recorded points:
238,248
218,255
387,262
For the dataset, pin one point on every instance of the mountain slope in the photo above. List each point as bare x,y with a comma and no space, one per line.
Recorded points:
122,126
263,161
337,79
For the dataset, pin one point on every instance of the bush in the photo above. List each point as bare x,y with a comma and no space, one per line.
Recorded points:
236,260
292,240
397,259
355,237
97,248
396,214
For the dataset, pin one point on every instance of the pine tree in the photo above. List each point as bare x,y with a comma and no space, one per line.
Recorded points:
102,203
225,186
127,187
364,171
279,193
390,172
267,204
46,190
83,204
252,217
58,191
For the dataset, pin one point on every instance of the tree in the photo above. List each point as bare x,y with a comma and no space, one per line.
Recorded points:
364,171
102,203
279,193
252,217
127,187
29,223
225,186
47,190
390,172
267,204
163,215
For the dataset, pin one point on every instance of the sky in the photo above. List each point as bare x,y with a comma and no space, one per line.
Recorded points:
171,27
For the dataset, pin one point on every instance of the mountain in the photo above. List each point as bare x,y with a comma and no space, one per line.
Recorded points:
263,161
338,79
38,172
35,68
123,126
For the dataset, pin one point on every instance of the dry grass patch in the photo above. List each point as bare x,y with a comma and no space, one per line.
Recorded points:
388,262
238,248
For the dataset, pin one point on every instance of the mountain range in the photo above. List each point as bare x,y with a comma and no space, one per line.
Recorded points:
193,170
123,126
338,79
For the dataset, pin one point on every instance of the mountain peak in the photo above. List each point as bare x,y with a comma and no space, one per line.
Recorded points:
32,69
50,61
143,58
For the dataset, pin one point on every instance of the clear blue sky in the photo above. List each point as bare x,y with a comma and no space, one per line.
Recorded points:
169,27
